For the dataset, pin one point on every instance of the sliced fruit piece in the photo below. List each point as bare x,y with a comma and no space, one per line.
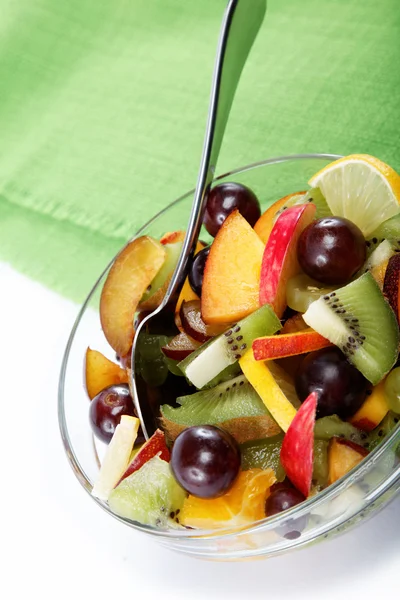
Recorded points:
294,324
243,504
172,237
116,457
100,373
315,196
360,188
280,346
366,332
156,290
391,284
301,291
149,495
389,230
279,261
155,446
297,452
391,390
379,272
216,354
380,255
263,454
373,411
181,346
266,222
132,272
193,324
332,426
343,456
234,406
232,273
285,381
377,436
263,381
187,294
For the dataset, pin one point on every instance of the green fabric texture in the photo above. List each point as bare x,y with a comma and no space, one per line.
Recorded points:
103,106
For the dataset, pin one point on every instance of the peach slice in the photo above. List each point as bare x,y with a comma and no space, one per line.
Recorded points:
391,284
297,452
373,411
272,347
343,456
263,381
279,261
100,373
232,272
129,277
265,223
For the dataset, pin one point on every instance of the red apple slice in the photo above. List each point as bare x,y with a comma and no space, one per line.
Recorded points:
280,262
180,347
272,347
391,284
265,223
297,452
155,445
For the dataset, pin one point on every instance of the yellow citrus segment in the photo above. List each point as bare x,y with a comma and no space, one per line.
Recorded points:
243,504
361,188
263,381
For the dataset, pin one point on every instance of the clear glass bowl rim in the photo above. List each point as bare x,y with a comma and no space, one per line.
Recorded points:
270,522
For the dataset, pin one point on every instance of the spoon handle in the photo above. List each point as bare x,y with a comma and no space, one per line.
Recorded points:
241,23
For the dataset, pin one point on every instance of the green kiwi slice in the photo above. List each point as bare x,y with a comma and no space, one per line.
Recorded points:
388,230
233,405
361,323
214,356
149,495
313,195
263,454
378,434
333,426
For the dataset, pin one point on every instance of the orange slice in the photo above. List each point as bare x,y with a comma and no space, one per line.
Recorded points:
242,505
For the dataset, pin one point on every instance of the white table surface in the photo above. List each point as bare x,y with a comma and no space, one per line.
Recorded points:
56,543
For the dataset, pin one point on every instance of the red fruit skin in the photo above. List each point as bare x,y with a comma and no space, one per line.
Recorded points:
289,344
297,452
391,284
155,445
280,255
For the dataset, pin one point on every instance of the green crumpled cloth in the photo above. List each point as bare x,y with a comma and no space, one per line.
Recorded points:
103,106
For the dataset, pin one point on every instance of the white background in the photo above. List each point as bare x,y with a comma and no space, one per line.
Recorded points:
56,543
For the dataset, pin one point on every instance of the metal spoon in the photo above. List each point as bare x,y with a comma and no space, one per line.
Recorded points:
240,25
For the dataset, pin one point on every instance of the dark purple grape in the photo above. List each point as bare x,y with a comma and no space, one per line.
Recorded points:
205,460
196,271
226,197
107,408
331,250
282,498
341,387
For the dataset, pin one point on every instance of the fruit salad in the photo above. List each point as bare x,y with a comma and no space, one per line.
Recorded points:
275,371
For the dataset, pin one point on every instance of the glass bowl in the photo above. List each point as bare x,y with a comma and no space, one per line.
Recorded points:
366,488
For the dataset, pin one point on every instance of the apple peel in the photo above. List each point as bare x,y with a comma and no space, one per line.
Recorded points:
154,446
290,344
297,452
